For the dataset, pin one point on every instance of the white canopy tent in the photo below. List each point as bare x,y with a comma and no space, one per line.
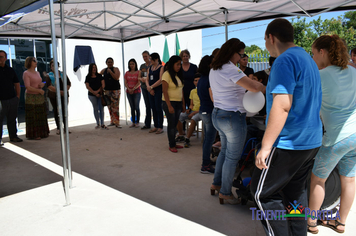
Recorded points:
125,20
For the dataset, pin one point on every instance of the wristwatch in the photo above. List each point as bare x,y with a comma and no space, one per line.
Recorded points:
151,87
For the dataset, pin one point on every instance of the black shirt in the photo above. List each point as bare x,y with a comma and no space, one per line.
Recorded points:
94,83
248,71
110,82
8,78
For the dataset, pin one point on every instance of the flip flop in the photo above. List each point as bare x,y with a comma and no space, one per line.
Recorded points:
152,131
159,132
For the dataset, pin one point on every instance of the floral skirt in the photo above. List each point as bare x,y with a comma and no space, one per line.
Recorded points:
36,116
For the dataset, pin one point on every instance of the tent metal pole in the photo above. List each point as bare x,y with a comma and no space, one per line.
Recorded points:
123,72
65,95
55,59
226,27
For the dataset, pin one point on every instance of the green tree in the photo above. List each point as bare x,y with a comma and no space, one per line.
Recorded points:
305,33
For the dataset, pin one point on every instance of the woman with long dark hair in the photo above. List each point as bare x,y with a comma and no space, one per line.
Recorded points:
338,113
228,84
154,87
36,113
173,103
205,110
112,89
95,84
133,91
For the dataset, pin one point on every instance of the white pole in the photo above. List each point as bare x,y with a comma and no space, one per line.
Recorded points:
54,49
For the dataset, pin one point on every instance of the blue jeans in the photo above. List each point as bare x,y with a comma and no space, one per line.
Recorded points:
134,101
145,95
172,120
209,136
98,109
156,105
232,130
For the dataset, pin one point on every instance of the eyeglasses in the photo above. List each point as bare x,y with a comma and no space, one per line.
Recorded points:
241,55
34,60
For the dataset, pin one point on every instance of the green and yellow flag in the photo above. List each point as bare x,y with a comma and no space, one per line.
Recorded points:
177,46
165,57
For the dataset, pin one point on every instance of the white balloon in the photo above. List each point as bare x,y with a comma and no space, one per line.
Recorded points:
249,114
253,102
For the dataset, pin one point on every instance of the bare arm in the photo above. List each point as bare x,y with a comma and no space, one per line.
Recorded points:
251,85
115,74
277,118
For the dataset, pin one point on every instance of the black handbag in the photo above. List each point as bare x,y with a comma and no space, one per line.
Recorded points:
105,100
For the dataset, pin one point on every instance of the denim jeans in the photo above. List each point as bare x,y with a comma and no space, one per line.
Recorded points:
156,105
134,101
232,130
209,136
172,120
98,109
145,95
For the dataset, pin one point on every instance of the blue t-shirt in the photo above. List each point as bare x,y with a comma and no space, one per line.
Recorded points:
294,72
206,105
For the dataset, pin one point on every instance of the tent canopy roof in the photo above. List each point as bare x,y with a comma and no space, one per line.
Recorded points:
127,20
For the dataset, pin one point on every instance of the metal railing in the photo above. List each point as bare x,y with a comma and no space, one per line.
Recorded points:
258,62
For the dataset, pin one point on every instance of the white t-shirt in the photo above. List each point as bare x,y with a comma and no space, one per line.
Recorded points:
227,94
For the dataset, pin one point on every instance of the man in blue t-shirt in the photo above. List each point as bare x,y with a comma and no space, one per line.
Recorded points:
294,130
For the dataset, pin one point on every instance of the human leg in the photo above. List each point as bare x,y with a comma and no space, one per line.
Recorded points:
154,111
137,99
2,115
55,110
233,126
11,117
171,129
159,110
130,98
95,105
148,108
286,172
209,137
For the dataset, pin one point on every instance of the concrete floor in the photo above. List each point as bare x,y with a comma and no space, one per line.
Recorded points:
125,182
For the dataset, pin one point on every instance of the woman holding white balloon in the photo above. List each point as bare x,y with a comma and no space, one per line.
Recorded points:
228,84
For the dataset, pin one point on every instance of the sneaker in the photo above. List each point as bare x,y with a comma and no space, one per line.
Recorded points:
187,143
17,139
180,138
209,169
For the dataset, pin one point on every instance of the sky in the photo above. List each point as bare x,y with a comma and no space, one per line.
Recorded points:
249,33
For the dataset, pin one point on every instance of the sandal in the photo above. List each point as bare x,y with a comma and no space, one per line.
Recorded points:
104,127
313,226
334,227
97,127
153,130
159,131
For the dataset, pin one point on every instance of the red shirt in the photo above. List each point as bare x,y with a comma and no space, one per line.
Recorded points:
132,80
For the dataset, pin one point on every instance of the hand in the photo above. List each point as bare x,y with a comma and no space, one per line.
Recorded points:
41,92
149,89
187,111
44,73
152,92
62,93
261,158
171,109
183,109
97,95
41,85
191,115
110,71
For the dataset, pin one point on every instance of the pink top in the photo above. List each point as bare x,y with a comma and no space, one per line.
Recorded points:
31,79
132,80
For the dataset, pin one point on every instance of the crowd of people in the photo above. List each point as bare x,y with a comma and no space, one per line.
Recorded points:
304,96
